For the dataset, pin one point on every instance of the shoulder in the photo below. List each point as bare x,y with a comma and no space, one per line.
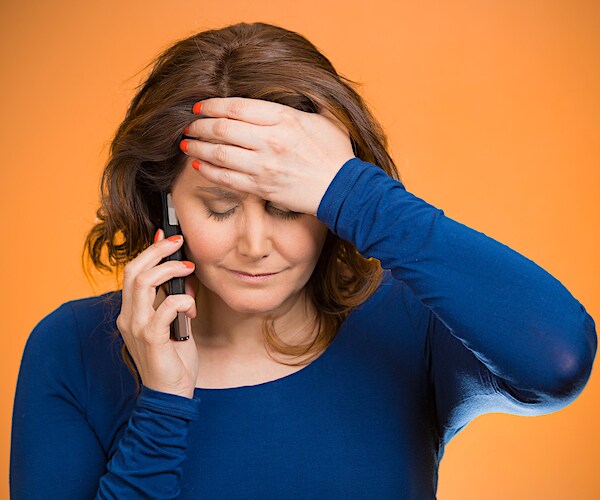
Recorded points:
80,314
395,300
72,359
390,310
97,312
60,334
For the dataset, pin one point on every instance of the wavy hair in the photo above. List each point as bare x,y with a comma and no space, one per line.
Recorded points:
259,61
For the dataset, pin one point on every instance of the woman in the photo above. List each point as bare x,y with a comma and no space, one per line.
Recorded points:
342,329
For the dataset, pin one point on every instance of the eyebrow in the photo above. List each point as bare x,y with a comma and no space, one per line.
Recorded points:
222,193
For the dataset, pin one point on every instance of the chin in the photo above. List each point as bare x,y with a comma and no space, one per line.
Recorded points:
253,300
259,304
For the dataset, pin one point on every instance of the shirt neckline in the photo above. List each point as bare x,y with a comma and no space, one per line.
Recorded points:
286,379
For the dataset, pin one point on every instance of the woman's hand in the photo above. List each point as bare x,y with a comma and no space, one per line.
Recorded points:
164,365
274,151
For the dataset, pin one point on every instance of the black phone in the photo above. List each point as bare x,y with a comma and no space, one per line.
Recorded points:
181,327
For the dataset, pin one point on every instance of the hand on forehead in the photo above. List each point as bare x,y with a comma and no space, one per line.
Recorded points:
271,150
256,111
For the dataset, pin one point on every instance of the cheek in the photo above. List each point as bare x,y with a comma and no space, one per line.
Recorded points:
305,242
206,244
300,243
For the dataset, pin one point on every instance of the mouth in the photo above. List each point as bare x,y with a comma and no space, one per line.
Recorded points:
251,274
253,278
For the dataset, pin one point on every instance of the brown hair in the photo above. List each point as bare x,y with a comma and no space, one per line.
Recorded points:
259,61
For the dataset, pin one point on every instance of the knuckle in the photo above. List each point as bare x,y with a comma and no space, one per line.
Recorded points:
276,145
178,302
225,178
236,107
220,154
127,271
139,282
221,128
121,323
269,173
170,301
263,190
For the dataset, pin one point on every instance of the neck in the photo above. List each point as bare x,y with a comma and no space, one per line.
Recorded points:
217,326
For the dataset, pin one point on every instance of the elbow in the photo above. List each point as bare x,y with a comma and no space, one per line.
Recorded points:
554,383
572,367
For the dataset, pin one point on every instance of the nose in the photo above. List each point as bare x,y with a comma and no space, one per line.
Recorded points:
255,233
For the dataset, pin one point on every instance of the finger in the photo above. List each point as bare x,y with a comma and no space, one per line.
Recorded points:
150,257
158,329
146,283
223,155
227,131
230,178
255,111
191,288
190,281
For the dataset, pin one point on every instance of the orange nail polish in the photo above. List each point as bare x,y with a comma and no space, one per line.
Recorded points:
176,238
156,235
196,164
184,145
197,109
186,130
188,264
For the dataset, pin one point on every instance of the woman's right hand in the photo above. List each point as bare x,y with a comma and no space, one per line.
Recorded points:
165,365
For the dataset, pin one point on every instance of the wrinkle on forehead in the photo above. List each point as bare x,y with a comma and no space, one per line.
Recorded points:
222,192
191,181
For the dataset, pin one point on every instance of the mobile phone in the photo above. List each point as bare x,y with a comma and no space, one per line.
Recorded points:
181,327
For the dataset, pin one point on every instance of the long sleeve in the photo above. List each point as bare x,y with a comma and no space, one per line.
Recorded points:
516,331
55,452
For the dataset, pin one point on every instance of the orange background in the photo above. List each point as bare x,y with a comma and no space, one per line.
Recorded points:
493,112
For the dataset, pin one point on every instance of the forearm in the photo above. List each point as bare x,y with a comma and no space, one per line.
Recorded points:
148,462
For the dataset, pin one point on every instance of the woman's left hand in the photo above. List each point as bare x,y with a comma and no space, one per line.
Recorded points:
276,152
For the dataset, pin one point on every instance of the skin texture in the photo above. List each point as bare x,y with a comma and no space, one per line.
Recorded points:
256,237
273,151
262,151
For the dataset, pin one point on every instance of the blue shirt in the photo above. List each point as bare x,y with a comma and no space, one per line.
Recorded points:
461,325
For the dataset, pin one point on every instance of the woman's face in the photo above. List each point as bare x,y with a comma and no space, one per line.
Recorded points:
227,232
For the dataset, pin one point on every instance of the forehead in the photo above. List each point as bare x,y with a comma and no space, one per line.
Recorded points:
220,192
192,181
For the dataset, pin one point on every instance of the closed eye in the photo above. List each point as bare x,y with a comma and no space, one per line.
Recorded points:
287,215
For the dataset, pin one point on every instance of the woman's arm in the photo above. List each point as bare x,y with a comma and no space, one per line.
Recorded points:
521,323
55,453
532,338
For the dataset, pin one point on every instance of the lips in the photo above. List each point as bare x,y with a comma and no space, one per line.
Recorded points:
251,274
253,279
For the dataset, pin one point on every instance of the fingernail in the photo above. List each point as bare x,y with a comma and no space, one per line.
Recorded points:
184,145
197,109
196,164
156,235
186,130
176,238
188,264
